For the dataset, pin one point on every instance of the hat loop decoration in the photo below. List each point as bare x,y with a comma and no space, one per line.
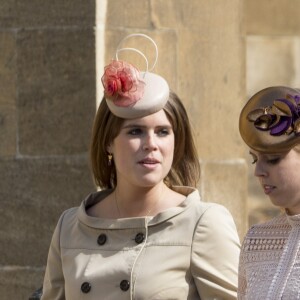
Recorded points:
130,93
138,51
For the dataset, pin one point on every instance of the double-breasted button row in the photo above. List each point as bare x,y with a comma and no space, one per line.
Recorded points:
86,287
102,238
124,285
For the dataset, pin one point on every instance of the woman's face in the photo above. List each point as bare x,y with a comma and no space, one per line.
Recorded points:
279,177
143,150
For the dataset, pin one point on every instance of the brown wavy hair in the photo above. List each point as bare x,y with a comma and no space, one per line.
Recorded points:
185,168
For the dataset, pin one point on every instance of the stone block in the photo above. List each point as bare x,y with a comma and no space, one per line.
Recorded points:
211,81
8,92
18,283
205,17
8,13
19,14
225,182
276,17
128,14
33,194
271,61
56,78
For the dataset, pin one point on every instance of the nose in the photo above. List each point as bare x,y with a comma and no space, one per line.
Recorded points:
260,169
149,142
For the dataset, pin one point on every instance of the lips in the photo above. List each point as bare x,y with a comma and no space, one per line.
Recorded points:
149,161
268,188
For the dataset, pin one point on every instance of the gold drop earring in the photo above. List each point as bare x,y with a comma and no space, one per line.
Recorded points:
109,156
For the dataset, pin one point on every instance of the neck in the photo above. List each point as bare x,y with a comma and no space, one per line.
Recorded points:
292,212
138,201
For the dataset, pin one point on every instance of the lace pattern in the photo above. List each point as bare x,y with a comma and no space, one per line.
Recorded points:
270,260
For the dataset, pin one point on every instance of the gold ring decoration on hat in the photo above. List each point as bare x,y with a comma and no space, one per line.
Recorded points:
130,93
270,120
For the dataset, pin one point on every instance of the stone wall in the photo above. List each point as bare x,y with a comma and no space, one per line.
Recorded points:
273,58
47,104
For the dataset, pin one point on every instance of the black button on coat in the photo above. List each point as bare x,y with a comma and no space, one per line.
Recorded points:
139,238
124,285
86,287
101,239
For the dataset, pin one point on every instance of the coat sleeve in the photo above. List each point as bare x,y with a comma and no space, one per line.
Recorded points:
215,255
53,286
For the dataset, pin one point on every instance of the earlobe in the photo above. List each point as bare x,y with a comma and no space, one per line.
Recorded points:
109,149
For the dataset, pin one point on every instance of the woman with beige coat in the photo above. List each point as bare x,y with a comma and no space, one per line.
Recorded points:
146,234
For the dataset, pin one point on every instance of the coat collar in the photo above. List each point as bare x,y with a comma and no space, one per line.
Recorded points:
192,196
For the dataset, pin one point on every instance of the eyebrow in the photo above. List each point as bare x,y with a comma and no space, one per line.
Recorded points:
144,126
272,155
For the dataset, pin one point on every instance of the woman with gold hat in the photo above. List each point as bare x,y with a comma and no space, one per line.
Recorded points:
270,257
146,234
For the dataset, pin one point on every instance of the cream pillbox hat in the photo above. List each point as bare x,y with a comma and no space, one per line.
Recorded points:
130,93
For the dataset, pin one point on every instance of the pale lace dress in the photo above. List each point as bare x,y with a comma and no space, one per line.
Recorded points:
270,260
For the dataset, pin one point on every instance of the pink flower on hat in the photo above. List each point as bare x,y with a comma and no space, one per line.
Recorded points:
122,83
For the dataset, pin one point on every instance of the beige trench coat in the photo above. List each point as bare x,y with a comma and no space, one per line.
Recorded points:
187,252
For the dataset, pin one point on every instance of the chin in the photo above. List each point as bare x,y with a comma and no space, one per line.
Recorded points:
278,203
148,183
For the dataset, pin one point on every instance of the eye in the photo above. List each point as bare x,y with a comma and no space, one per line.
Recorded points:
274,161
135,131
163,132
